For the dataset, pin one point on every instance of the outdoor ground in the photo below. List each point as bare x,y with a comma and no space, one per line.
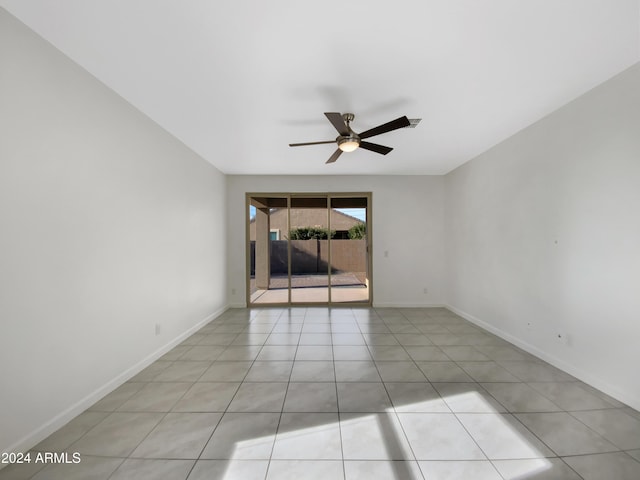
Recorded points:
355,279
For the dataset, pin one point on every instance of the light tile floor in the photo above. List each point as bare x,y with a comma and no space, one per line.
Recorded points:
317,393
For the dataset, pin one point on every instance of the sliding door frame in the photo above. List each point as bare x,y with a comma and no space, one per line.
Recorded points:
329,197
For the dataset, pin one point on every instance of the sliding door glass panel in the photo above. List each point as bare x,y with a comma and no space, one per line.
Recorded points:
268,227
308,249
349,258
309,242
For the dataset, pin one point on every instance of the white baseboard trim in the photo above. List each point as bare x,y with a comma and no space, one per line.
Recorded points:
571,369
238,305
32,439
406,305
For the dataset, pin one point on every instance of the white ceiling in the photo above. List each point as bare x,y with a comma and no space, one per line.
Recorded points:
237,81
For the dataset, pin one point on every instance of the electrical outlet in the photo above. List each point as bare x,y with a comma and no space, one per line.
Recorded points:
157,329
425,290
529,326
233,291
386,253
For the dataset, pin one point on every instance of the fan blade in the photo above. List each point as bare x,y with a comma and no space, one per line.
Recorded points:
310,143
374,147
335,156
386,127
338,122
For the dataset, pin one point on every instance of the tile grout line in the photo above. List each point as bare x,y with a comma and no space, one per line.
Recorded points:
396,319
204,445
397,419
335,383
284,400
167,414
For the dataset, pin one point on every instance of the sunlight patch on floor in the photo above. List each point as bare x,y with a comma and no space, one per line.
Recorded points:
383,436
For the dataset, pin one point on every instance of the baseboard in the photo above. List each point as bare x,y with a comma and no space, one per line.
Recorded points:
406,305
571,369
237,305
35,437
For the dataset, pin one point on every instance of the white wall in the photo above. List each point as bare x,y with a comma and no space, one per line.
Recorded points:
407,220
108,226
545,228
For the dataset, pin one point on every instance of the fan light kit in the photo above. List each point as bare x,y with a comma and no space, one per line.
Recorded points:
348,144
348,140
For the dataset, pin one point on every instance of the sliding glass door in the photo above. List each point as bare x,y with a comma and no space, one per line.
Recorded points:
350,273
268,276
308,238
308,249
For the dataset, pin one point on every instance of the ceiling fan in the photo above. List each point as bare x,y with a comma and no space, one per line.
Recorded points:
348,140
